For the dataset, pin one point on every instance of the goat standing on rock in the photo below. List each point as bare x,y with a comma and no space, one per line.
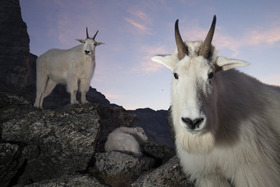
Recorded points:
73,67
227,124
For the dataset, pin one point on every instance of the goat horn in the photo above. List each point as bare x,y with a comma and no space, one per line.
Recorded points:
206,45
95,35
181,47
87,33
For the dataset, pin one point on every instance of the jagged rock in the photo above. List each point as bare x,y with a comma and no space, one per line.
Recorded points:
70,180
162,153
10,162
169,174
62,142
155,124
17,65
12,106
60,98
120,169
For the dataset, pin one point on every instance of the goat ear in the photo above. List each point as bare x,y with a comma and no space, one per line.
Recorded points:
99,43
167,60
224,63
81,41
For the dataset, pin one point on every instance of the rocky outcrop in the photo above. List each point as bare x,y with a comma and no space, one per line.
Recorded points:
155,124
169,174
17,65
46,147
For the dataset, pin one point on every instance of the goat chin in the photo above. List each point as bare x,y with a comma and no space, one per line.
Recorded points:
197,144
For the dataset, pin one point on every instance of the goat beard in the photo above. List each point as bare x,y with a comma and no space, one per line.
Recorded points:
197,144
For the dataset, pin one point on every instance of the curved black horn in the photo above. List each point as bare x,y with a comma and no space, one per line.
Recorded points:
87,33
206,45
95,35
181,47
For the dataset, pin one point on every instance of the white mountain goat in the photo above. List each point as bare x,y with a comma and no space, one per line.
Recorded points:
126,139
227,124
73,67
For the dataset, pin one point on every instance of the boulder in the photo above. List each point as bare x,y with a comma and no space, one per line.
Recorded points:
69,180
169,174
120,169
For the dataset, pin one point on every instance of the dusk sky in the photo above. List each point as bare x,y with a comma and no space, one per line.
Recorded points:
135,30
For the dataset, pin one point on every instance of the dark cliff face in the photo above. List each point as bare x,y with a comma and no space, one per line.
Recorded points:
17,65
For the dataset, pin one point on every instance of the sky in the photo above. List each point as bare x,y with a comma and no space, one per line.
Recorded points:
136,30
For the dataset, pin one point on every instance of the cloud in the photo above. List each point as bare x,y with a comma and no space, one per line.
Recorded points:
264,37
141,28
147,65
234,44
139,20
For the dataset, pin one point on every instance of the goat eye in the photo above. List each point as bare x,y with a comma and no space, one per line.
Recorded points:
210,75
176,76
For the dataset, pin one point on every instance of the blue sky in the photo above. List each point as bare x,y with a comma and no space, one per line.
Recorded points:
134,31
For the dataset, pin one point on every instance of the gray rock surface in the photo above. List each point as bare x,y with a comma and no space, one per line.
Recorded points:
17,65
10,162
120,169
70,180
169,174
57,142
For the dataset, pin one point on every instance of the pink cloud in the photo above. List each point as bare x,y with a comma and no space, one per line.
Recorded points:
223,41
139,20
147,65
140,27
264,37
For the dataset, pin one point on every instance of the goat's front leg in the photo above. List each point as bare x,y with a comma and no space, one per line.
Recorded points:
212,181
72,87
84,87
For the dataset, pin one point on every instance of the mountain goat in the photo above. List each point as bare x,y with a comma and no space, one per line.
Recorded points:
73,67
127,140
227,124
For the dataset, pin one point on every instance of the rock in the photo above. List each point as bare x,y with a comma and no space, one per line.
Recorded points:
17,65
10,162
69,180
155,124
162,153
58,142
12,106
61,98
169,174
120,169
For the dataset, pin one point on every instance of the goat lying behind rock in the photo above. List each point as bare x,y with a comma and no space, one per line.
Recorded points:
126,139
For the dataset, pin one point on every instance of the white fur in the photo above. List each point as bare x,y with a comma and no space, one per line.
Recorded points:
73,67
239,136
127,140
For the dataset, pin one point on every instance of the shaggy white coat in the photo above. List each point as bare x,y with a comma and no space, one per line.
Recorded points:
126,139
239,138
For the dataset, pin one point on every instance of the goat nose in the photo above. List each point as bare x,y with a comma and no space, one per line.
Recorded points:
192,124
87,52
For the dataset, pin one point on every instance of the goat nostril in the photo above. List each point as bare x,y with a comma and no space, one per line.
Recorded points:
188,121
193,123
87,52
198,121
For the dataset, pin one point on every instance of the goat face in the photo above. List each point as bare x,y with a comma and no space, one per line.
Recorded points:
194,86
89,44
193,94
